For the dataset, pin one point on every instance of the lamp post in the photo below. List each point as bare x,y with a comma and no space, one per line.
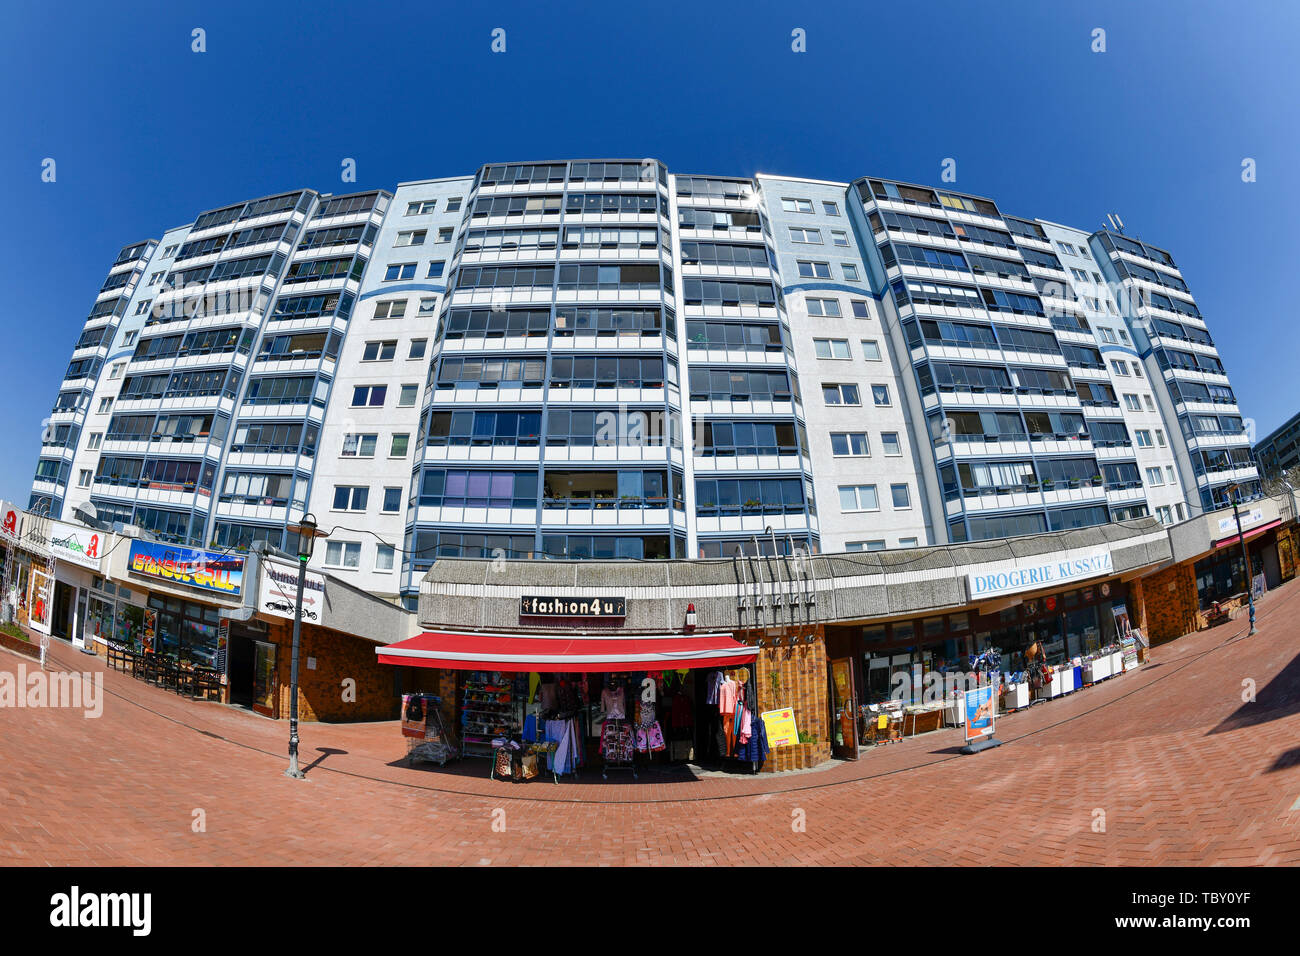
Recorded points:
307,533
1234,492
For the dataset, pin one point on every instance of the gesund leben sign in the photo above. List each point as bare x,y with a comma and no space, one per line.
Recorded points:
1034,573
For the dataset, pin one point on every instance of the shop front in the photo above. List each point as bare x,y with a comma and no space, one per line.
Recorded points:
897,678
568,699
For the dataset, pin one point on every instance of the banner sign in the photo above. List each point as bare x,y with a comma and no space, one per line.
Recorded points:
1228,525
75,545
11,522
1011,576
780,727
209,571
980,708
277,592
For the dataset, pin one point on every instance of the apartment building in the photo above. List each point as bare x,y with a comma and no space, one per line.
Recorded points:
602,359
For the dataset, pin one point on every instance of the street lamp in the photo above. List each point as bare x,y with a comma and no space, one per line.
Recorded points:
1234,493
307,533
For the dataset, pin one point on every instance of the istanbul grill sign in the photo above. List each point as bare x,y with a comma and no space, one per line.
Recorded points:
601,608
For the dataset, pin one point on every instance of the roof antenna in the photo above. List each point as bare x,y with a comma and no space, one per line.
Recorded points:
1116,222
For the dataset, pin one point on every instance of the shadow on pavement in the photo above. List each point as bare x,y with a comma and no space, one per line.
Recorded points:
1279,698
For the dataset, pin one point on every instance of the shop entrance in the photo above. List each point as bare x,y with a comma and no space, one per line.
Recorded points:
844,709
240,667
61,618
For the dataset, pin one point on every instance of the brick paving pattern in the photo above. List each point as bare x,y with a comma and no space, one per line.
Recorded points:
1183,770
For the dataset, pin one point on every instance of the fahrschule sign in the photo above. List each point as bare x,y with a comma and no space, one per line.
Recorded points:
597,607
1012,576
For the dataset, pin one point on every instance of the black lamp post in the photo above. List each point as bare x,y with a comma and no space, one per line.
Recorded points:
1234,492
307,533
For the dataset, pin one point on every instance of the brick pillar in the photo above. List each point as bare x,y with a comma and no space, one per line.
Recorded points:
796,677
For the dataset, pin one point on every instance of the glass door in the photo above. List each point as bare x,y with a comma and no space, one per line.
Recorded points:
844,713
264,682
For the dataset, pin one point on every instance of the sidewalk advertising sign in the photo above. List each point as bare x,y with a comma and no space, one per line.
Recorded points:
980,708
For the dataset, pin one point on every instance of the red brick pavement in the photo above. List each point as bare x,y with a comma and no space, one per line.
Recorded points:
1183,770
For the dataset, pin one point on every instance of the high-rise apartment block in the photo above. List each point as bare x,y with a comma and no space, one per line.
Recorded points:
602,359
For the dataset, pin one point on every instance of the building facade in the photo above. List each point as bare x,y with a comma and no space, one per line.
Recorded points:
601,359
1279,451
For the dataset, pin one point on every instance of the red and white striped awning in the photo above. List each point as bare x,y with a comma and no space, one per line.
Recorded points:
566,653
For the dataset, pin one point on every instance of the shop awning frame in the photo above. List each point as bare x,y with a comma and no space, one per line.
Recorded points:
566,653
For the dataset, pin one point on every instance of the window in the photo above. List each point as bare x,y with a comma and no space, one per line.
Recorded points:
94,440
400,442
1169,474
1120,367
850,271
841,395
864,546
413,237
453,204
369,395
814,270
359,446
116,370
806,235
1143,438
83,478
889,440
839,237
400,270
830,208
417,348
880,394
384,557
796,205
1134,405
105,406
1151,406
830,307
392,500
343,554
423,208
1154,477
444,234
129,338
858,498
407,396
871,350
435,269
1160,437
850,445
831,348
351,497
390,309
901,496
379,351
907,542
143,307
859,308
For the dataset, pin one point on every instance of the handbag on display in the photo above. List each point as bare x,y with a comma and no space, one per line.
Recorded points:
502,763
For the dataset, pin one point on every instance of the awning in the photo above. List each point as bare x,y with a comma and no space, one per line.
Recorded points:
566,653
1248,534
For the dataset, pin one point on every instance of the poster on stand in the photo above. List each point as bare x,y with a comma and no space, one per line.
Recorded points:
981,709
1122,627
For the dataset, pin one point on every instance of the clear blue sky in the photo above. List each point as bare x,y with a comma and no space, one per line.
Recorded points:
147,133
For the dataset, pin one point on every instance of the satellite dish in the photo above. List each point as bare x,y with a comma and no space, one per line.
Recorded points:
87,514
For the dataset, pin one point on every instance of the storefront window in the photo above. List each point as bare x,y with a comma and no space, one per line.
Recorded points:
185,632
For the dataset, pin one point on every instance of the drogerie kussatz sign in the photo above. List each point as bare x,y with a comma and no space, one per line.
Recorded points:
1032,573
531,605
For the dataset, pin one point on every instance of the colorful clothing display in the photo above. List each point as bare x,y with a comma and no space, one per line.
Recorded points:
617,741
567,755
649,738
613,703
